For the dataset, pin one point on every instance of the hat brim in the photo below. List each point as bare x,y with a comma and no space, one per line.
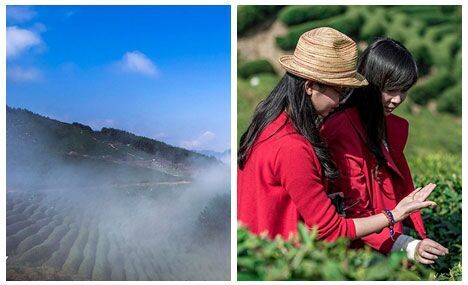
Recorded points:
355,82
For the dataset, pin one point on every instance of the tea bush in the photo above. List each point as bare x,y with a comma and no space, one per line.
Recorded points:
374,25
450,101
293,15
443,223
305,258
442,52
347,23
249,17
431,88
250,68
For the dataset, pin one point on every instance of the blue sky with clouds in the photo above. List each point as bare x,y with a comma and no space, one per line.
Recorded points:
157,71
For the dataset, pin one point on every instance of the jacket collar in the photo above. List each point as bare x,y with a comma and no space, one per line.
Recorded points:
396,133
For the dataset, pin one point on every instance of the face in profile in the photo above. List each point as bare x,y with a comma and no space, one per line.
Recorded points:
325,98
392,99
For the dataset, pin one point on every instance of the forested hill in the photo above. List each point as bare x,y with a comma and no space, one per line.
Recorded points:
43,150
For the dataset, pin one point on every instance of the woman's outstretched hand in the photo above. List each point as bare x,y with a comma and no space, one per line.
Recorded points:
415,201
427,251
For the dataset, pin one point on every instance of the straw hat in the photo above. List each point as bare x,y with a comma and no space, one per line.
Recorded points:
326,56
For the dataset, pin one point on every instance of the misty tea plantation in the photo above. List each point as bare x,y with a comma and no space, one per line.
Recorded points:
110,205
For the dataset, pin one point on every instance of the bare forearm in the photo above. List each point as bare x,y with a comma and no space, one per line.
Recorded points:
368,225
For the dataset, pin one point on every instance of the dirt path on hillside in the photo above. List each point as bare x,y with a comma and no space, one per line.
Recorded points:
262,45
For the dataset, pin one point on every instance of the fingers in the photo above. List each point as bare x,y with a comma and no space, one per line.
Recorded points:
436,251
428,256
415,206
425,261
435,248
425,192
428,251
415,191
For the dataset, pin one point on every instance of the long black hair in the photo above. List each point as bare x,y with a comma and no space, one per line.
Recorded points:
290,96
388,66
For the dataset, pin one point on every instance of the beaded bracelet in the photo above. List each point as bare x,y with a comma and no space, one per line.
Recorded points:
391,220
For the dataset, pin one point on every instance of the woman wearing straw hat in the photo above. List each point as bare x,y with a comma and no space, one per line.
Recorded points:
283,163
367,143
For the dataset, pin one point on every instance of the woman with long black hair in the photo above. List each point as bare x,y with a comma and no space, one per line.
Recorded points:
283,163
367,141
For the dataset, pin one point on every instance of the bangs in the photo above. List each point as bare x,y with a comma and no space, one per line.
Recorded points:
402,76
389,65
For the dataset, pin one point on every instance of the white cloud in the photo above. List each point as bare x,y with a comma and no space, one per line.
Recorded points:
19,14
38,28
19,40
20,74
138,62
200,142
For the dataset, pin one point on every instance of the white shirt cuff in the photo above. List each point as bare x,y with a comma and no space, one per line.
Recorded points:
406,243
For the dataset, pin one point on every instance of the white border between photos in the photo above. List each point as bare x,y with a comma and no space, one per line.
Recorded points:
3,142
233,143
233,125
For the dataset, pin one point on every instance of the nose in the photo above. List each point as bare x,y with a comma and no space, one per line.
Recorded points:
397,99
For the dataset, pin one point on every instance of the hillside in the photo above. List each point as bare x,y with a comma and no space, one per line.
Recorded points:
45,152
110,205
224,157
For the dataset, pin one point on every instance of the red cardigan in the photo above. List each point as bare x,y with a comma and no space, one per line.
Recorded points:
281,184
346,139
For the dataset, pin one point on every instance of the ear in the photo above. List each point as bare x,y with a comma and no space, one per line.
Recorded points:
309,86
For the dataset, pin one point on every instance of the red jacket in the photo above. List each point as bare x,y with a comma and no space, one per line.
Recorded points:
346,139
281,184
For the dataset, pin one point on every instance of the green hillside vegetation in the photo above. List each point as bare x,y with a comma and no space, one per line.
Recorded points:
79,137
249,17
37,144
431,33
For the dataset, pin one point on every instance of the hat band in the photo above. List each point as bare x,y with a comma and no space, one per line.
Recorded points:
332,61
329,73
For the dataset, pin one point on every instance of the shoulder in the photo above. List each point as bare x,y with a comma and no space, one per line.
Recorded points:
397,121
397,131
295,149
294,143
399,125
339,125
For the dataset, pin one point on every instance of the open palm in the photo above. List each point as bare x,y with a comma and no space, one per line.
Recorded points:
415,201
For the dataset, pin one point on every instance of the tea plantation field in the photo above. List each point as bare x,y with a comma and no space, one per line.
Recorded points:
308,259
66,236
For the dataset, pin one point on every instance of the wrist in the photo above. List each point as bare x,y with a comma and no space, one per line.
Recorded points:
391,220
406,244
412,249
397,216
